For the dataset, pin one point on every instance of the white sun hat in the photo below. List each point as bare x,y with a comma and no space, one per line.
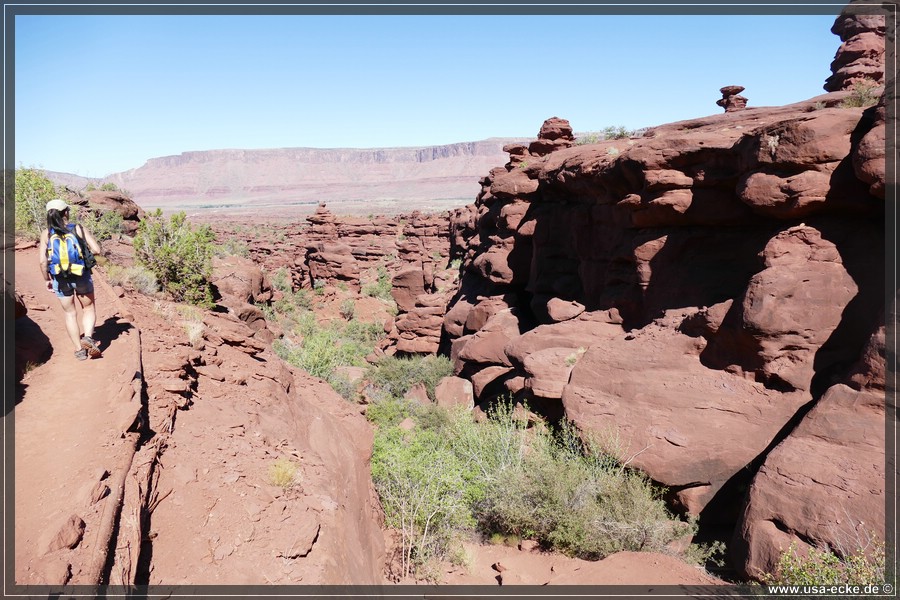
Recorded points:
57,204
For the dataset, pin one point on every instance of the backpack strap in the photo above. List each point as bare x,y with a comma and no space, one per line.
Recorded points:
62,251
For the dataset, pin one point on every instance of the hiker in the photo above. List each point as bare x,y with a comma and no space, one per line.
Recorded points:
63,265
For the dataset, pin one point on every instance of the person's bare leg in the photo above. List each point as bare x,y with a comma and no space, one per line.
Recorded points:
88,315
68,305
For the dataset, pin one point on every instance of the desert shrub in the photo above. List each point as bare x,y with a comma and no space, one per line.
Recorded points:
363,332
342,385
324,348
284,473
568,504
180,256
109,187
388,412
824,567
575,499
381,287
394,376
422,492
32,190
193,330
538,483
607,133
293,302
136,277
232,247
348,308
704,554
103,225
861,95
281,280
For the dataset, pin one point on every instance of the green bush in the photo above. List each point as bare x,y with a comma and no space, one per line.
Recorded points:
607,133
323,349
512,482
342,385
862,95
180,256
388,412
381,287
348,308
395,376
281,280
103,225
33,191
824,567
421,489
232,247
363,332
570,505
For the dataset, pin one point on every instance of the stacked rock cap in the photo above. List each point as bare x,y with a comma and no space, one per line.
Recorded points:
731,100
555,134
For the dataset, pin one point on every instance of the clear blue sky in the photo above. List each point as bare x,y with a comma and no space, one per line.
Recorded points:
96,95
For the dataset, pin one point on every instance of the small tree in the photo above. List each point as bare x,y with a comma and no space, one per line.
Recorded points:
33,191
180,256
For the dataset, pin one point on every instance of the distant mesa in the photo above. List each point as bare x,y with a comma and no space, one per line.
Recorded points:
379,180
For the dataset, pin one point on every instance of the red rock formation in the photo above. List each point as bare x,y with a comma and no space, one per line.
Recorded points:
100,201
731,100
665,289
869,156
823,486
229,407
242,286
860,58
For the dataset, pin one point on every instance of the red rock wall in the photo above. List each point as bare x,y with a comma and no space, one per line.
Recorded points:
693,292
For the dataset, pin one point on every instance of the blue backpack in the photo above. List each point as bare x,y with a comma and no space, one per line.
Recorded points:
65,257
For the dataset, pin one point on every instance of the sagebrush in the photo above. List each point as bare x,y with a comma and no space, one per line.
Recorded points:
394,376
861,566
450,475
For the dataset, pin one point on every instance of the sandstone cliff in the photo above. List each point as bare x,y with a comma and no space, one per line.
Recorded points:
710,297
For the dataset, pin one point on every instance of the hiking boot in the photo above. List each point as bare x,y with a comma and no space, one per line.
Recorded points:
90,346
81,354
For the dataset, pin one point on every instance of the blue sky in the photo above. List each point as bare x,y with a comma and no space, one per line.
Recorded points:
100,94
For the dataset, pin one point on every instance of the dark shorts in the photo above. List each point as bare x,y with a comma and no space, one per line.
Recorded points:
83,285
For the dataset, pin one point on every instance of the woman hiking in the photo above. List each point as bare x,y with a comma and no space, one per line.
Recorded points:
62,264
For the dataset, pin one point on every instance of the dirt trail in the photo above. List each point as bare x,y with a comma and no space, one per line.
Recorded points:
67,432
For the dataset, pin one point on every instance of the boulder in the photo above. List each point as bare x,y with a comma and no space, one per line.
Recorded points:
822,486
688,427
548,371
454,391
406,285
487,345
